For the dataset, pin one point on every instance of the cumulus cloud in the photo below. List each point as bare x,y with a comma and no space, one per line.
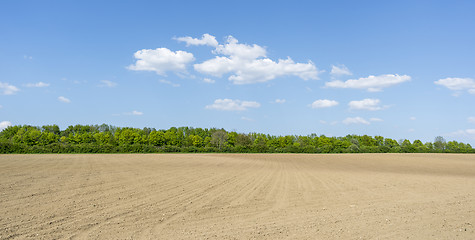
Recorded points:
63,99
4,124
471,119
340,70
371,83
355,120
280,101
206,39
38,84
207,80
458,84
161,60
7,89
232,105
107,83
366,104
248,64
324,103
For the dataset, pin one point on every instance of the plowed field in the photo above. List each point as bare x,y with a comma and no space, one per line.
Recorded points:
237,196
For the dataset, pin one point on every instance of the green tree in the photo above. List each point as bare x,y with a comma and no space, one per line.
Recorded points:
48,138
157,138
197,141
171,138
102,138
128,136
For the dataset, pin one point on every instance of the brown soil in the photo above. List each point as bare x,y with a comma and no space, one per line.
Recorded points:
237,196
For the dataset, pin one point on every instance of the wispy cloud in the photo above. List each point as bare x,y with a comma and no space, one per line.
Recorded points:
37,85
340,70
7,89
366,104
458,84
470,133
371,83
376,120
63,99
355,120
247,119
208,80
280,101
169,83
107,83
232,105
136,113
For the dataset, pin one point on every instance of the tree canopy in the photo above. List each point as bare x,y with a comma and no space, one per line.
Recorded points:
110,139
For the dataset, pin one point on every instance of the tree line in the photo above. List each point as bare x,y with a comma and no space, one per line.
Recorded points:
110,139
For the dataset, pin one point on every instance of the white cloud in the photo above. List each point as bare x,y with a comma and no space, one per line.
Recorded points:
243,51
371,83
366,104
247,119
4,124
280,101
1,106
207,80
232,105
355,120
340,71
38,84
471,119
470,133
137,113
206,39
323,103
161,60
134,113
107,83
7,89
248,64
323,122
412,118
169,83
27,57
376,120
458,84
63,99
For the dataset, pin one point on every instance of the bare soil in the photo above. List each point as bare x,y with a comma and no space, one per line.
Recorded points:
237,196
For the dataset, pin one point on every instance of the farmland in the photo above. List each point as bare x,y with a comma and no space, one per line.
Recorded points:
237,196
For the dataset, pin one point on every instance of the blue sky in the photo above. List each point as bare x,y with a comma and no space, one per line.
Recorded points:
400,69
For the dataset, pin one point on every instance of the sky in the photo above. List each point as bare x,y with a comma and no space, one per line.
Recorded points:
399,69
